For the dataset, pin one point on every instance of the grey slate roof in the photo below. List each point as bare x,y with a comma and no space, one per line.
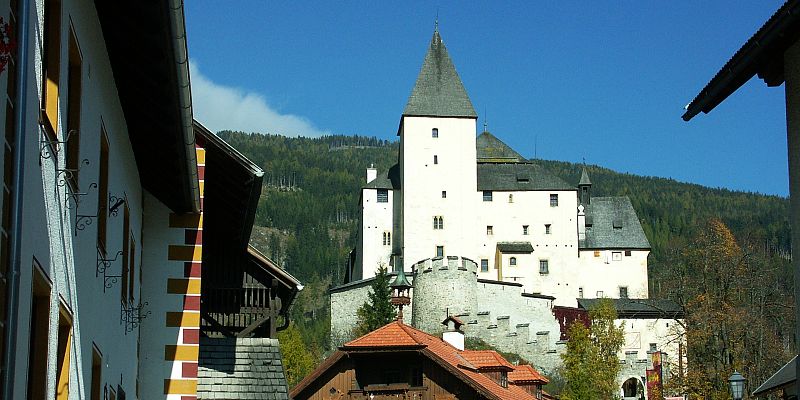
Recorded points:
387,180
639,308
491,149
584,177
515,247
785,376
439,91
241,368
519,177
606,212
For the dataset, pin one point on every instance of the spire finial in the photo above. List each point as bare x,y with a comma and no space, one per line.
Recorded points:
485,121
436,23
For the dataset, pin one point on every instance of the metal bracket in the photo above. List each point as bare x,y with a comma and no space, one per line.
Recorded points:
114,204
50,148
76,196
67,174
82,221
133,315
103,264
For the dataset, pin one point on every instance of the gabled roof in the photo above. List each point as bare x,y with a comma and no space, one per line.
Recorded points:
604,213
387,180
491,149
639,308
439,91
462,364
785,376
525,373
521,176
762,54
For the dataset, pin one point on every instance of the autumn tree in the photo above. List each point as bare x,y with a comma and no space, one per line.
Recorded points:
296,358
377,311
591,364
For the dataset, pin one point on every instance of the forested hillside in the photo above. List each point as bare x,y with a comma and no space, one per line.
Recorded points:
307,215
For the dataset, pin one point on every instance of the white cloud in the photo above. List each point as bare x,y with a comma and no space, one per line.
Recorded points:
221,107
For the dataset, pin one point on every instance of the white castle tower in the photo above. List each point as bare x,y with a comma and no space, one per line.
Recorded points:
437,163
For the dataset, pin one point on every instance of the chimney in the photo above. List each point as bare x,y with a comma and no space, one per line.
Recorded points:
453,334
372,173
581,223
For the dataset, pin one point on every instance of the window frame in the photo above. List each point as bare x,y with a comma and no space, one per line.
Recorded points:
435,133
51,67
382,196
487,195
544,266
623,292
435,159
525,230
444,194
484,265
489,230
548,229
439,251
512,262
553,199
616,256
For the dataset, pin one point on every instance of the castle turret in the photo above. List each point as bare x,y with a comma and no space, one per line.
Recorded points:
443,287
585,188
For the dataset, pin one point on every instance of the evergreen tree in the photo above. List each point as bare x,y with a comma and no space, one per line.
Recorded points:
590,362
378,310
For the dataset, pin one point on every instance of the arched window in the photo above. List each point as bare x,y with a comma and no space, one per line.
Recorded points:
435,133
512,261
438,222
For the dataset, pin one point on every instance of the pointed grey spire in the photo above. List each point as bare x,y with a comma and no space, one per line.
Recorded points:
439,91
584,178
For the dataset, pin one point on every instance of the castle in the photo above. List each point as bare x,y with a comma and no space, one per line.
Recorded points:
492,237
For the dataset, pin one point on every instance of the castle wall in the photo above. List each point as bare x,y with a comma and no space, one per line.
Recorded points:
448,287
601,274
376,220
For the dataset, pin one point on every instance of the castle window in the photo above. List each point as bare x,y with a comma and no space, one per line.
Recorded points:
512,261
435,132
616,256
383,195
487,195
444,194
438,222
387,238
544,267
599,294
484,265
439,251
623,292
554,200
510,198
597,253
525,230
489,230
580,292
547,229
627,253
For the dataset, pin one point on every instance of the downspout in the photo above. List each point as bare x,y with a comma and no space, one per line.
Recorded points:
286,313
178,26
17,200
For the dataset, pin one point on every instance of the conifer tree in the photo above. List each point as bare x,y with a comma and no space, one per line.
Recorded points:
378,310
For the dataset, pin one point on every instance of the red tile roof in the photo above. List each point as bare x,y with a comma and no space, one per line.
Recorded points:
463,364
526,374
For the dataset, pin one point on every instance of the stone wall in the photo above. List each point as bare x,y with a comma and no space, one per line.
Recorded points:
448,287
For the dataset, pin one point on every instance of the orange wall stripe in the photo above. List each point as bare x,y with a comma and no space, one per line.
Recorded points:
174,352
180,386
177,319
183,286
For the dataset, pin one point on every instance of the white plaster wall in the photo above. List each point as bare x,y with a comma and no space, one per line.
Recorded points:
423,183
376,219
604,274
68,256
560,247
639,333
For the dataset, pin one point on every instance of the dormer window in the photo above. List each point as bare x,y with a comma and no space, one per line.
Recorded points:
435,132
504,379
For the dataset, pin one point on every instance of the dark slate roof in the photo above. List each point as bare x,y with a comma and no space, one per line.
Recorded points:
639,308
518,177
491,149
606,212
241,368
762,54
439,91
515,247
785,376
388,180
584,178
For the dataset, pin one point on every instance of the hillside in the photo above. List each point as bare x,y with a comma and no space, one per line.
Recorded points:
306,219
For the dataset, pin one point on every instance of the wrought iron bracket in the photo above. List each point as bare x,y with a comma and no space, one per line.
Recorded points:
103,264
132,315
67,174
74,198
83,221
49,148
114,204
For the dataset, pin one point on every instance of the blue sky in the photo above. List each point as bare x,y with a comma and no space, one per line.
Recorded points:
604,81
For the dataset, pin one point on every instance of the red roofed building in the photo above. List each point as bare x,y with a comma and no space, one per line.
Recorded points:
397,361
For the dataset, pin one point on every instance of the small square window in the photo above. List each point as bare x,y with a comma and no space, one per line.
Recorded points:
623,292
439,251
554,200
383,195
599,294
435,159
580,292
627,253
489,230
444,194
547,229
484,265
487,195
597,253
525,230
544,267
653,347
435,132
512,261
616,255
